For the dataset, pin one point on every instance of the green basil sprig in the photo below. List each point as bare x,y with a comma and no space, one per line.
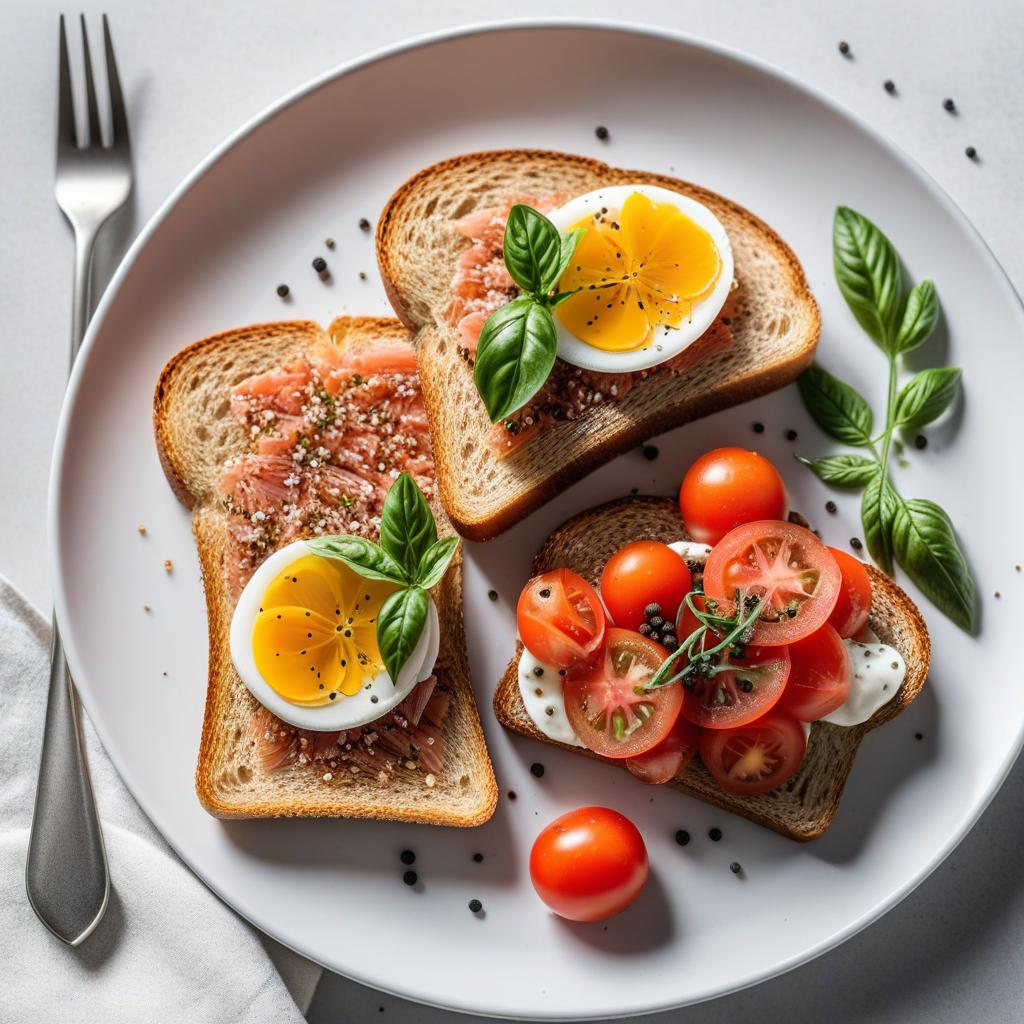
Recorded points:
911,532
410,554
518,342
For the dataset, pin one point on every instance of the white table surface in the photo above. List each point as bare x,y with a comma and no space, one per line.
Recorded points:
194,70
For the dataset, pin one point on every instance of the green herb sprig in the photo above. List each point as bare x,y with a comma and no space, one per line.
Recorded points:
912,532
518,343
410,554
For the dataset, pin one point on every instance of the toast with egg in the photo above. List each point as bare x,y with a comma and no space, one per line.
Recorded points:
802,808
195,434
773,318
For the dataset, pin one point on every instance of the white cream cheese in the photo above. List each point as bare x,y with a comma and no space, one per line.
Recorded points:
691,550
878,673
541,688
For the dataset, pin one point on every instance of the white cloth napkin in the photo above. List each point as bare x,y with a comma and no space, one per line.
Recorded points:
167,949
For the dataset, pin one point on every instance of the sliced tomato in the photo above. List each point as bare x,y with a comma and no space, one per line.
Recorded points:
740,688
561,619
642,573
607,706
781,564
754,758
853,605
819,678
664,762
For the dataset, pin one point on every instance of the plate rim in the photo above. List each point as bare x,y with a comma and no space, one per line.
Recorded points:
279,107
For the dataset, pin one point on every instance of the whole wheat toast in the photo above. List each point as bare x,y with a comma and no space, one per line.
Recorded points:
775,327
195,433
805,806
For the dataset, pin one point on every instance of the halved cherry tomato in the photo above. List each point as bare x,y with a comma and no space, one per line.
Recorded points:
741,690
853,605
607,706
561,619
726,488
819,678
784,565
589,864
665,761
754,758
642,573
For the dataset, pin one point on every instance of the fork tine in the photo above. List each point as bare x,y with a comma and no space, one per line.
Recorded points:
118,114
65,102
95,134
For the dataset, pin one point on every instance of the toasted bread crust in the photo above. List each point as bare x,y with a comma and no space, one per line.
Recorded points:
531,477
806,806
229,785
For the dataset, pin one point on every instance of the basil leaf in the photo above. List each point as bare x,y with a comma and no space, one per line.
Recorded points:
436,561
533,249
926,397
842,470
925,545
878,509
360,555
867,271
560,297
570,239
407,527
919,317
836,407
514,355
400,623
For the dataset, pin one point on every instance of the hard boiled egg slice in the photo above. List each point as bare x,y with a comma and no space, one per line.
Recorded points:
303,640
653,269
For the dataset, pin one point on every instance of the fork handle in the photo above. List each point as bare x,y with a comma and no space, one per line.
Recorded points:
66,875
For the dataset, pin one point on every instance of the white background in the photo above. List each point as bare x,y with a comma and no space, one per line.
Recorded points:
194,70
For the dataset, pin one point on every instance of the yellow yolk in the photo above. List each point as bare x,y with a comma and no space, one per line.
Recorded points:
315,637
636,273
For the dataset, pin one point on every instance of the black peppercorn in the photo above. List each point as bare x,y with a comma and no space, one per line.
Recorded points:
831,507
791,435
407,857
682,837
536,769
856,543
920,442
735,867
410,878
364,224
283,290
758,428
492,595
650,452
319,264
844,48
652,609
601,132
512,794
714,834
478,858
475,906
971,152
948,104
889,86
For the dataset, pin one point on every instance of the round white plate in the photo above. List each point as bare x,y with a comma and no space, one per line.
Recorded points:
255,214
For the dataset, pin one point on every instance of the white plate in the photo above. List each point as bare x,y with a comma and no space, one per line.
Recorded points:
255,214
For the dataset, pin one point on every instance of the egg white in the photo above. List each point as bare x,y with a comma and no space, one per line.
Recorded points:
345,712
665,342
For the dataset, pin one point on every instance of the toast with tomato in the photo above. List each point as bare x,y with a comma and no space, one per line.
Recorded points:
805,804
439,249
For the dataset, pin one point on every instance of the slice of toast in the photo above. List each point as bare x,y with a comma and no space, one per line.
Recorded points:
195,434
775,330
805,806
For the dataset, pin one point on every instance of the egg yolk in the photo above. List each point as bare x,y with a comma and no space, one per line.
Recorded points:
315,636
636,272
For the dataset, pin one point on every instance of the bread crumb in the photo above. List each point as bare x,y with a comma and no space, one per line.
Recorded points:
410,764
328,776
430,780
168,565
142,530
146,608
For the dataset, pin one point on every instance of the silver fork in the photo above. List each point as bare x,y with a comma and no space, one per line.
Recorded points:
66,874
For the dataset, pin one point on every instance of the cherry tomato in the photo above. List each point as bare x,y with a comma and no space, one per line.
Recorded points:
780,563
561,619
853,605
606,705
754,758
664,762
589,864
741,688
642,573
819,677
726,488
